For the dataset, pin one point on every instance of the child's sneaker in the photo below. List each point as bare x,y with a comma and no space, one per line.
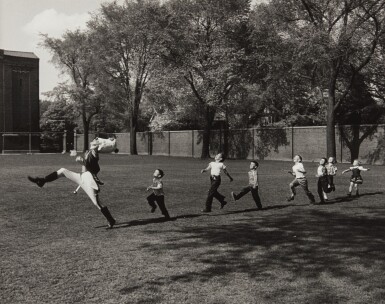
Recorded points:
37,180
290,198
224,203
349,194
233,196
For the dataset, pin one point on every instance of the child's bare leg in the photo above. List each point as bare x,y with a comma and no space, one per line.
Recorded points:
325,195
351,188
356,188
292,186
93,195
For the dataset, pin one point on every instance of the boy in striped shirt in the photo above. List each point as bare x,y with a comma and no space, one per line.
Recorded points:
252,187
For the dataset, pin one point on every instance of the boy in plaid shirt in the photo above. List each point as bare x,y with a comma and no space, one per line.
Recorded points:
252,187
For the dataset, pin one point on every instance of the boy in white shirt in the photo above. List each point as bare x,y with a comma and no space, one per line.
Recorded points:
300,179
215,168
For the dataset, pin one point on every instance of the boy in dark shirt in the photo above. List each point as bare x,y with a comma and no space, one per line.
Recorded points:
158,195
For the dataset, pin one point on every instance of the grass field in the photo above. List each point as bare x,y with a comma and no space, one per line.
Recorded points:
55,248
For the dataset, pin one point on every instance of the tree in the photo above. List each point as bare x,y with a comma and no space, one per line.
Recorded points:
331,36
202,49
73,55
360,108
127,40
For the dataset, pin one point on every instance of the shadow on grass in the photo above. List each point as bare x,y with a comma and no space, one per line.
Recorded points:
309,246
343,199
158,220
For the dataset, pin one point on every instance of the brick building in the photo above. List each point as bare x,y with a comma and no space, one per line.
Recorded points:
19,101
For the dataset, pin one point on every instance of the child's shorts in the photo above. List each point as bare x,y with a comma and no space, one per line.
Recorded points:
356,180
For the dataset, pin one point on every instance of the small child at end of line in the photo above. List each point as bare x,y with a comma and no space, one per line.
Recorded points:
252,187
215,168
332,171
298,171
158,195
356,178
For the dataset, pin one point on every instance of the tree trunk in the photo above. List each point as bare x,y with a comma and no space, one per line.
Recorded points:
86,128
210,114
133,130
331,149
355,144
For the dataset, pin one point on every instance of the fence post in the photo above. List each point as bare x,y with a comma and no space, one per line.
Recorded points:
292,141
75,141
253,150
149,139
341,143
169,143
192,143
30,142
64,142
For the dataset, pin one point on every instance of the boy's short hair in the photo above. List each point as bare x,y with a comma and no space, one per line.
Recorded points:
300,157
161,173
255,162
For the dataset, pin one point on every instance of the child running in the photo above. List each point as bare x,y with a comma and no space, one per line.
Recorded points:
158,195
300,179
215,168
332,171
356,178
323,183
252,187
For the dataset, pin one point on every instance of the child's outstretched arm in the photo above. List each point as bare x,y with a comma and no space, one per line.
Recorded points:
290,172
227,173
206,169
347,170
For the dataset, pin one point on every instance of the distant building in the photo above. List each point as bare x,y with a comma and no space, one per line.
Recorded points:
19,101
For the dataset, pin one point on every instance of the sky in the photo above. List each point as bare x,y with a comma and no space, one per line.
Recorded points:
22,22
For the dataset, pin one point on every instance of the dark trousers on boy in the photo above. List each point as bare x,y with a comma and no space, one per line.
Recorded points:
213,193
331,182
303,183
254,193
159,199
322,186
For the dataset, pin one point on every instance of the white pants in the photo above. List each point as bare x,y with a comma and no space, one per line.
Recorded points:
85,181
